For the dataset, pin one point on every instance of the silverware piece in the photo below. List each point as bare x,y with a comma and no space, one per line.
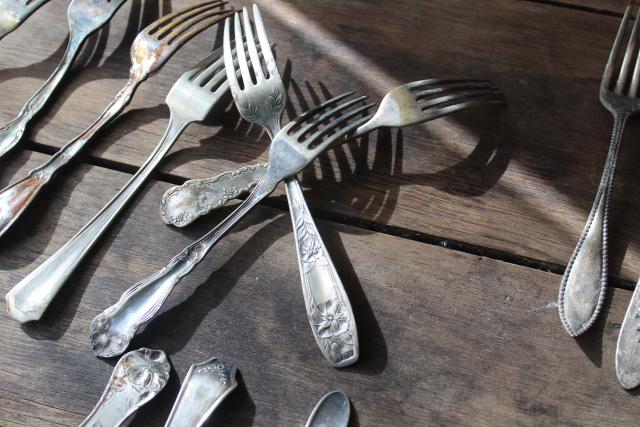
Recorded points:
583,285
85,17
206,385
137,378
191,98
293,148
333,410
628,347
262,102
14,12
405,105
149,51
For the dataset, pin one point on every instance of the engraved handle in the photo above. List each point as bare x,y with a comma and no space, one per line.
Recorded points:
328,307
112,330
15,198
183,204
584,282
29,299
12,132
628,348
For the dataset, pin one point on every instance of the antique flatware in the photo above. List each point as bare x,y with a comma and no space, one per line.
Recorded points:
85,17
14,12
206,385
149,51
191,98
405,105
328,307
583,285
628,347
137,378
333,410
292,149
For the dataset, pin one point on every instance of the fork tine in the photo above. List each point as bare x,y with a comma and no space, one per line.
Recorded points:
452,89
242,58
633,87
304,130
163,20
251,43
419,84
337,122
309,113
615,50
345,134
626,62
264,42
447,99
435,113
228,60
190,28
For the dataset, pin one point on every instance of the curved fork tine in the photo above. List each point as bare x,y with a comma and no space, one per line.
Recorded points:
345,134
462,95
419,84
214,78
229,64
163,20
635,79
337,122
309,113
626,62
317,122
453,89
251,44
434,113
190,28
242,58
615,50
264,43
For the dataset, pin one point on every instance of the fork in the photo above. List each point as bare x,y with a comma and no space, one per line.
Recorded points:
149,51
191,99
582,289
293,148
405,105
14,12
85,17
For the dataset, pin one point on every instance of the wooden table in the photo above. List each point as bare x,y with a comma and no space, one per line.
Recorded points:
450,237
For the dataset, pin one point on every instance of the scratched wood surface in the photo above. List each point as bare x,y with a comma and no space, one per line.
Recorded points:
517,180
449,337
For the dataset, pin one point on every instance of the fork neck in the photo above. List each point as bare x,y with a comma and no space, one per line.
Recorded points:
272,126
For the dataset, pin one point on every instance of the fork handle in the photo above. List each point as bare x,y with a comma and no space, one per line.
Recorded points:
11,133
112,329
328,307
29,299
583,285
15,198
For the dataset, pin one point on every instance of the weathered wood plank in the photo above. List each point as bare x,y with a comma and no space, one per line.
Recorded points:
519,180
448,338
599,5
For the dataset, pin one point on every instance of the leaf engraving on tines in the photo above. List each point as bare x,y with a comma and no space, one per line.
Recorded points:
249,111
276,100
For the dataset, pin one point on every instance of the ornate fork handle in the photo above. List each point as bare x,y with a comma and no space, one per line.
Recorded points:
15,198
112,330
583,285
29,299
11,133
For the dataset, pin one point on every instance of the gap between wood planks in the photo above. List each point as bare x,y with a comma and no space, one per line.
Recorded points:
391,230
560,3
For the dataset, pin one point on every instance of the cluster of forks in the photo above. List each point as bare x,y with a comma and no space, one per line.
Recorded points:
247,69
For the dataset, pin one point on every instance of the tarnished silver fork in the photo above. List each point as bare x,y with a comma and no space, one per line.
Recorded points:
583,285
15,12
150,50
85,17
192,98
406,105
293,148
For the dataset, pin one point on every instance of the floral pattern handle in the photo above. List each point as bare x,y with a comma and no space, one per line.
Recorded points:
328,306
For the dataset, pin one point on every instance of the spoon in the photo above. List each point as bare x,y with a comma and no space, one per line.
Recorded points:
332,410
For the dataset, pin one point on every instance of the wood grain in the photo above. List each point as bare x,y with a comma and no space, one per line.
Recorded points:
519,179
447,338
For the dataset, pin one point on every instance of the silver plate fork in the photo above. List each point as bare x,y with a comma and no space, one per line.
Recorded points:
192,98
151,48
405,105
583,285
85,17
15,12
293,148
263,102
